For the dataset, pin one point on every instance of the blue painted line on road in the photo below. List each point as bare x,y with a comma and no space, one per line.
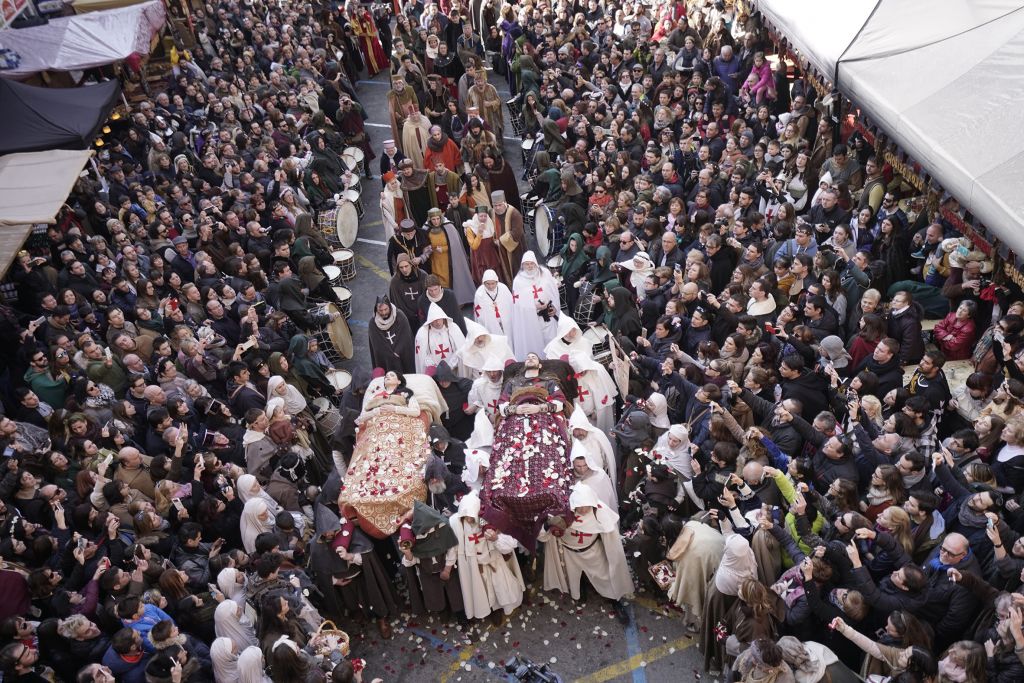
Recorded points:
358,323
384,83
633,645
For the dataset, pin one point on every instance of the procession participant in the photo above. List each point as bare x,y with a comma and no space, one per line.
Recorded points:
392,205
415,136
458,419
411,242
535,307
406,289
591,547
485,97
486,392
416,190
445,298
595,441
400,98
448,260
429,554
390,159
597,391
568,339
447,188
441,148
587,469
488,571
481,345
438,340
390,339
492,305
484,249
510,238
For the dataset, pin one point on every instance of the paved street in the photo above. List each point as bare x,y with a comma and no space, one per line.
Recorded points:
583,642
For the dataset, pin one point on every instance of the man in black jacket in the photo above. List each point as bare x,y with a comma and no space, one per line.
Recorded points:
904,325
781,433
950,606
833,458
807,387
884,363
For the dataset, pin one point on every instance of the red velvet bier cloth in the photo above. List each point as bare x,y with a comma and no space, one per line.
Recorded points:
530,477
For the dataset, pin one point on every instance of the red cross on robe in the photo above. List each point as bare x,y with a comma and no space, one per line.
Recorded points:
582,393
493,405
497,312
442,351
476,310
515,297
537,291
476,538
580,536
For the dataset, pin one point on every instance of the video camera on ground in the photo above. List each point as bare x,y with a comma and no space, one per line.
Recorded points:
522,669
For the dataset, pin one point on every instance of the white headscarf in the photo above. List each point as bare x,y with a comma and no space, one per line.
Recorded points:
225,661
738,564
272,406
530,257
244,487
229,621
677,458
293,399
251,524
250,666
227,581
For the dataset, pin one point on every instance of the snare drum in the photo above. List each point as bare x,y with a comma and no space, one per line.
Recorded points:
344,295
328,419
528,145
340,379
354,197
543,229
327,222
345,259
333,274
353,158
585,305
335,338
598,337
555,266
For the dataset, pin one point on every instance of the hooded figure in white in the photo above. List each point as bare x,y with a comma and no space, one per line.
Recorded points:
492,305
568,339
486,389
590,546
597,391
589,470
642,266
489,581
595,441
439,339
481,345
534,291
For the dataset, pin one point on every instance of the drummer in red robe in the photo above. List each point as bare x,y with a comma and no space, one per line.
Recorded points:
365,30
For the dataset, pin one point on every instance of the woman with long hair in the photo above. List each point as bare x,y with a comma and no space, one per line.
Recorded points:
904,646
872,330
885,489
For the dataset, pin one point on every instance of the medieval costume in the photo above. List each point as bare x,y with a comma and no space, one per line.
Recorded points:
446,300
535,305
595,442
400,98
492,304
364,28
415,134
597,390
412,242
590,546
429,549
489,581
455,391
594,476
481,346
443,149
696,553
484,96
390,341
447,258
439,339
406,289
416,191
484,248
476,141
392,205
500,177
510,237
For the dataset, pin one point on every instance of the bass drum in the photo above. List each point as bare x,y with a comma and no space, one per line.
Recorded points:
347,223
543,222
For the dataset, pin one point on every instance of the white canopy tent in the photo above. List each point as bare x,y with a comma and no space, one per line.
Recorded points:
85,40
33,187
941,79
